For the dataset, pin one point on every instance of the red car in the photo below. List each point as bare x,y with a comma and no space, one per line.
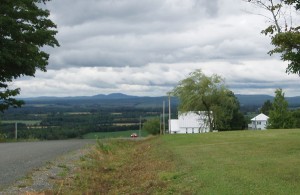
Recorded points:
134,135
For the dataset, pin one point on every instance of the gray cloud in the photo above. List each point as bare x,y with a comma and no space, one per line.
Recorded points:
134,33
146,47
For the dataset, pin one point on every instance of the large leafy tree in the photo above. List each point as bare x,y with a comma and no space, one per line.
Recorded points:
280,116
199,92
24,30
285,35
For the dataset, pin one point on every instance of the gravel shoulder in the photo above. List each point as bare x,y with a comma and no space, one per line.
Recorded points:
40,176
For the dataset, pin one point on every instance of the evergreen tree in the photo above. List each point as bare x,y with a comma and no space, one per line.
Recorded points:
280,116
267,106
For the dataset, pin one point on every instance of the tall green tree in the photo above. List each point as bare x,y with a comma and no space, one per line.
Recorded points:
296,118
238,121
280,117
199,92
266,107
285,35
24,30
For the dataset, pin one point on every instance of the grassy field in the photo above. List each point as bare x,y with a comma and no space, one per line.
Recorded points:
241,162
26,122
251,162
118,134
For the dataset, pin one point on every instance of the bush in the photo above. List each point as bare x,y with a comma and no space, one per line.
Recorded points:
3,137
152,126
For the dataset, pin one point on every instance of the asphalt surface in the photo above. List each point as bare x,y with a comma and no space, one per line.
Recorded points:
19,159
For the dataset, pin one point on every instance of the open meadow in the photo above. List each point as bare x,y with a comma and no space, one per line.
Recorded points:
237,162
244,162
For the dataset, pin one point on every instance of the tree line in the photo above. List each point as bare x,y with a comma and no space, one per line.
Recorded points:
280,116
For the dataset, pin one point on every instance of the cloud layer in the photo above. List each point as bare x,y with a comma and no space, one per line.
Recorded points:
146,47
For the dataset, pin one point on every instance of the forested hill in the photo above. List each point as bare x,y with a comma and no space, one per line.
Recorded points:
119,99
257,100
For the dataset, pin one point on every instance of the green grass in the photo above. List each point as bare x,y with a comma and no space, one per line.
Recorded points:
244,162
237,162
117,134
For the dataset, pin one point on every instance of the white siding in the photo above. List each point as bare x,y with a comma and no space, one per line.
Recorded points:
259,122
174,126
190,122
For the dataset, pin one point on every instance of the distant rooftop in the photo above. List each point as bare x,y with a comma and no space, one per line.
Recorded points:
260,117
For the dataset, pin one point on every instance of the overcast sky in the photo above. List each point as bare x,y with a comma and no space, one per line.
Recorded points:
145,47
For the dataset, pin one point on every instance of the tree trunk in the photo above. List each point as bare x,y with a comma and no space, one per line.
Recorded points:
211,125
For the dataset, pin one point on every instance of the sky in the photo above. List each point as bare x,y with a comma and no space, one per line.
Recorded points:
145,47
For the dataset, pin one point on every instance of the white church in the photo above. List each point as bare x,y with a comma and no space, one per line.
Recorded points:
190,122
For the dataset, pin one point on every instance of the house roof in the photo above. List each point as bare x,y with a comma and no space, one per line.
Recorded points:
260,117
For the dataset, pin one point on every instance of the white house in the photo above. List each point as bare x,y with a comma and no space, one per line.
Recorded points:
190,122
259,122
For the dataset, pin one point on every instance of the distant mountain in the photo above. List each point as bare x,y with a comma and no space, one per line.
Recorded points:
259,100
253,99
114,96
120,99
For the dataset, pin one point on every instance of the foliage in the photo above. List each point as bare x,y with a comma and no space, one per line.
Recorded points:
280,116
238,121
3,137
61,123
285,35
296,118
266,107
103,147
24,30
199,92
127,168
152,126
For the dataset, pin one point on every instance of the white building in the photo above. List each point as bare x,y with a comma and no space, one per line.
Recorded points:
190,122
259,122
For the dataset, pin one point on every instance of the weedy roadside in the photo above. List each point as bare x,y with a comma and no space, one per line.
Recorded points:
120,167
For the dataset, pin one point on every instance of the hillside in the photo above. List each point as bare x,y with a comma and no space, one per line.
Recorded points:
119,99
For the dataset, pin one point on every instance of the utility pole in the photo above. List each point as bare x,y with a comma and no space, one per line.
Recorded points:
164,125
160,124
16,130
169,114
140,132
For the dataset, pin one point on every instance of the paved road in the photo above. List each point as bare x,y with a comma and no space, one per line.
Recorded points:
18,159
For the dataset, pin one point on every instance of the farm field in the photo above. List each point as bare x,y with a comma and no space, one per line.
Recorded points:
240,162
27,122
